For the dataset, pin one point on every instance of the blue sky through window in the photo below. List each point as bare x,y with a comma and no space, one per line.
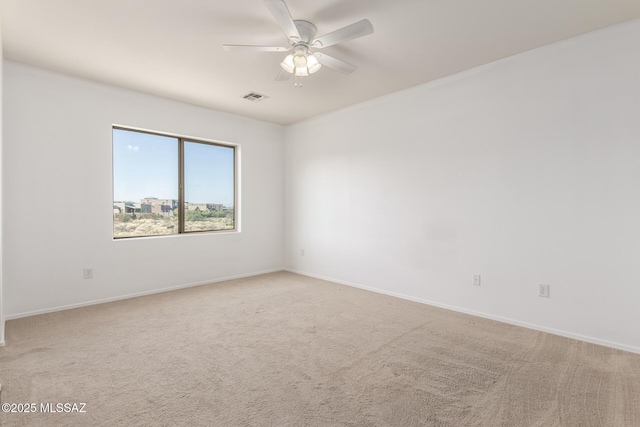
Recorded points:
208,173
146,165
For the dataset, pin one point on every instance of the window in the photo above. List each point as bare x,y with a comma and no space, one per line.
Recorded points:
168,185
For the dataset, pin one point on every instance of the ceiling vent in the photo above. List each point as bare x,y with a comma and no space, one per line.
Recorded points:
255,97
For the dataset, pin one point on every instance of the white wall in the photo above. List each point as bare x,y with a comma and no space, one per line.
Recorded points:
525,171
58,195
1,201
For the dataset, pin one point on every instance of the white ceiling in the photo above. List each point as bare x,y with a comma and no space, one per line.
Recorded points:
172,48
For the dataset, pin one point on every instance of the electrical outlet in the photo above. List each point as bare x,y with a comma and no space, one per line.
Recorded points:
543,291
88,273
476,280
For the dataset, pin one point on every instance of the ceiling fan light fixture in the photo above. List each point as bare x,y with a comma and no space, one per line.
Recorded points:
288,65
312,64
300,60
301,72
300,65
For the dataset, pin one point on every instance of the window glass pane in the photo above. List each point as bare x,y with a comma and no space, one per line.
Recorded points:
145,190
209,190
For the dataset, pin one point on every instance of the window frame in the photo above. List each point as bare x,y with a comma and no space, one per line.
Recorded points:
181,139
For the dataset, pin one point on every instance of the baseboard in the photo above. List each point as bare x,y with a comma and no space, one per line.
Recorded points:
137,294
592,340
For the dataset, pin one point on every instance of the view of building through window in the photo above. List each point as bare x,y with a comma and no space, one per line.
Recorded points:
208,187
147,200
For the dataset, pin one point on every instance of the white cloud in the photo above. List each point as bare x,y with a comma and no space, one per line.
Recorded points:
133,148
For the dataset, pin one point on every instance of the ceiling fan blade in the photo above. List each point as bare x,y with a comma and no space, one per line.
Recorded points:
335,63
248,48
350,32
280,12
283,76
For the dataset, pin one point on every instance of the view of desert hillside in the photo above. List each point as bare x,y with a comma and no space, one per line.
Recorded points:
156,225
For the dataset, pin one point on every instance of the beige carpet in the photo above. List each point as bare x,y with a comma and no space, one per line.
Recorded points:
287,350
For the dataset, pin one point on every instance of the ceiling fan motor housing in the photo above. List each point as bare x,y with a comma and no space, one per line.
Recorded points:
307,32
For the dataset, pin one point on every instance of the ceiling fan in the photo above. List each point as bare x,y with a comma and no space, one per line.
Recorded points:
302,37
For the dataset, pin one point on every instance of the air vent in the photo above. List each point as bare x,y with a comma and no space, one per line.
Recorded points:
255,97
